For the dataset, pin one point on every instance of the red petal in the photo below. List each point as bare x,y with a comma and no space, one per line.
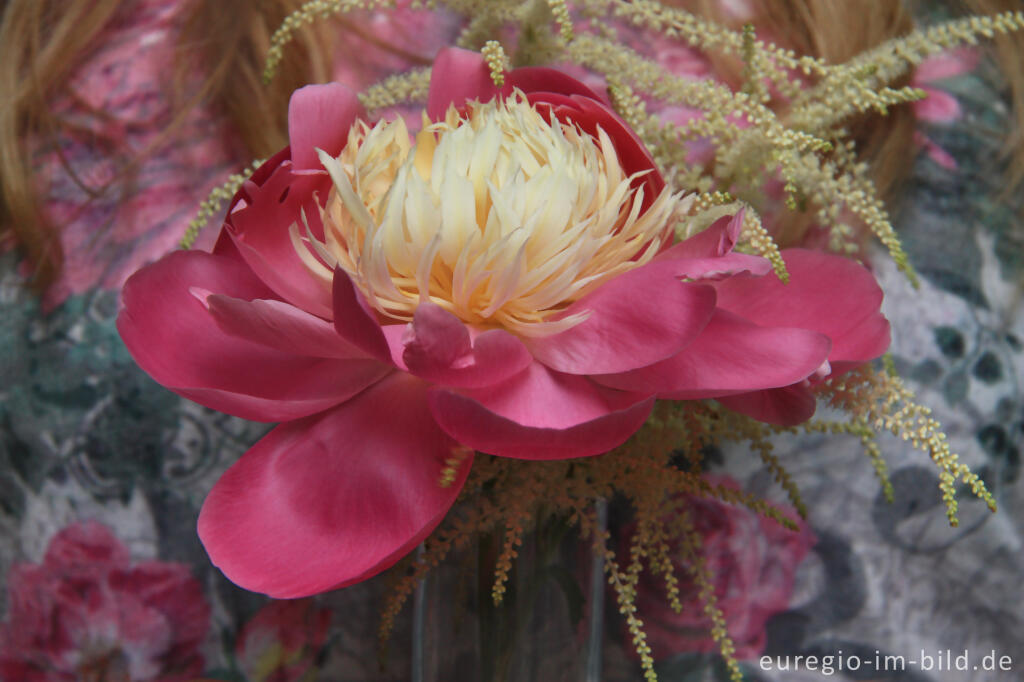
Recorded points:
435,339
541,414
332,500
541,79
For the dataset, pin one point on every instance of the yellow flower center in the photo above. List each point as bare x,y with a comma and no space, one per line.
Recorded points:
498,215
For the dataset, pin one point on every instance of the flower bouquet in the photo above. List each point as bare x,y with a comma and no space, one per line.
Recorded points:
558,284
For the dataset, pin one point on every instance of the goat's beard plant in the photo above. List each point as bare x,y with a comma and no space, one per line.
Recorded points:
513,309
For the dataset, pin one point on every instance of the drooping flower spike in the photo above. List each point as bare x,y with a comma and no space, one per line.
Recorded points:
505,283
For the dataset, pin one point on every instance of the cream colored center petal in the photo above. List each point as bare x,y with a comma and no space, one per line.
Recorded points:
498,215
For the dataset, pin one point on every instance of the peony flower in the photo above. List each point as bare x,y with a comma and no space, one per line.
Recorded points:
280,643
752,561
504,281
87,613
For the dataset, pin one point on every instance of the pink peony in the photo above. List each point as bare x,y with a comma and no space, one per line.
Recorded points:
752,561
504,283
88,613
280,643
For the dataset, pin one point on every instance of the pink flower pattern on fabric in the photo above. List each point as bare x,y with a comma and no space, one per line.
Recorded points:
88,612
940,107
118,105
280,643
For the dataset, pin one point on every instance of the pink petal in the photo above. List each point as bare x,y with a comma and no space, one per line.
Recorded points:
355,320
867,341
457,77
732,355
827,293
716,240
461,75
937,107
334,499
947,65
437,348
85,544
225,244
336,385
320,116
395,336
298,626
279,325
540,414
259,224
170,589
636,319
935,152
708,255
176,340
786,406
435,338
712,268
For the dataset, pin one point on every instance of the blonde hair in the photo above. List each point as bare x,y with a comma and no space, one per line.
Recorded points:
41,41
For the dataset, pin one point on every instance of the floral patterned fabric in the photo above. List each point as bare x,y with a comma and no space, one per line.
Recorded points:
102,471
87,610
